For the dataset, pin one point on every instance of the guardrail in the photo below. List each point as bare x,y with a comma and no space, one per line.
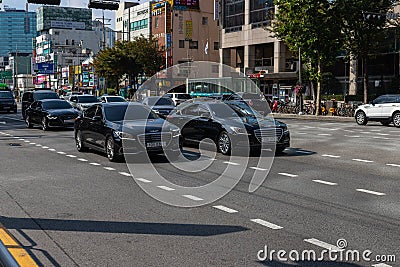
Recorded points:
6,259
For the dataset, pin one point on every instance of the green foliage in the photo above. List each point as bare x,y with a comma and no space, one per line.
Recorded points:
140,57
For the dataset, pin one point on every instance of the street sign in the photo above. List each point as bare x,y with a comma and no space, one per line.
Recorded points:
45,68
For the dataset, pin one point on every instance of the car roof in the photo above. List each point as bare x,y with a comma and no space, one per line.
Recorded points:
41,92
120,104
52,100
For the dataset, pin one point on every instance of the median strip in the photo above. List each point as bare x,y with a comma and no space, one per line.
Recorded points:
20,255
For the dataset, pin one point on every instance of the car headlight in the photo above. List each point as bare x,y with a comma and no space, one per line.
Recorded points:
238,130
51,117
176,132
123,135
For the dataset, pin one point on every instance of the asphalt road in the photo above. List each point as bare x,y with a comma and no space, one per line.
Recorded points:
337,181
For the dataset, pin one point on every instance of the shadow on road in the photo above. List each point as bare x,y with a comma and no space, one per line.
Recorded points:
119,227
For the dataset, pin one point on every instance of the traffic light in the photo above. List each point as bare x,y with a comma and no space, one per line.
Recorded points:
104,4
45,2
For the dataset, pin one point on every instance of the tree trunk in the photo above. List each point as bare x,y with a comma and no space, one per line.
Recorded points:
318,103
365,78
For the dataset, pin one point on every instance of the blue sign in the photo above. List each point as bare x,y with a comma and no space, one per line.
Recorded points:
168,35
45,68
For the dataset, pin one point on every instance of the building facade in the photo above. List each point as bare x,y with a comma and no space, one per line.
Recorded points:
133,21
249,47
17,30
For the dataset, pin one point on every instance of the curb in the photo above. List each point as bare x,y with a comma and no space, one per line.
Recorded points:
312,117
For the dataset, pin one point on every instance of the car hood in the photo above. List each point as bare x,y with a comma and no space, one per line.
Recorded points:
253,123
142,126
59,112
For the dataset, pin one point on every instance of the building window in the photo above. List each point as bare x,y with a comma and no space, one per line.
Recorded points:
234,14
261,12
73,42
216,45
181,43
193,45
66,41
156,23
204,21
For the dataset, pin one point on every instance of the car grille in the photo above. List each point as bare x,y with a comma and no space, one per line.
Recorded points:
68,117
268,132
154,137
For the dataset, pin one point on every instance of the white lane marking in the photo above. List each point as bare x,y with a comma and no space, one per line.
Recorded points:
267,149
258,169
226,209
287,174
80,159
324,182
325,134
304,152
193,197
363,160
15,137
267,224
31,143
109,168
231,163
322,244
353,136
378,137
26,141
52,149
95,164
309,127
38,145
143,180
393,165
61,153
370,192
383,134
21,139
125,174
166,188
330,156
301,133
71,156
381,265
45,147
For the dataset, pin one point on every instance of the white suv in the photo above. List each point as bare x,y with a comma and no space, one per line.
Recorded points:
385,109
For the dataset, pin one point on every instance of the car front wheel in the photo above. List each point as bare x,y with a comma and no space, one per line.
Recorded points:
28,122
361,118
45,125
396,119
112,150
79,142
224,143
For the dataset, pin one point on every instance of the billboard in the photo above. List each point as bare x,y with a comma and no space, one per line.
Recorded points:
186,4
45,68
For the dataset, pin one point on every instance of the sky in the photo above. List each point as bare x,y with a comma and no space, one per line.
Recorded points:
97,13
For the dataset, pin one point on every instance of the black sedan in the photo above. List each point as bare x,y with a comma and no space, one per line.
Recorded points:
160,105
231,125
128,128
50,113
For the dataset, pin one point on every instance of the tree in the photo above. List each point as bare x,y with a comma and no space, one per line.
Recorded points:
107,65
363,25
311,26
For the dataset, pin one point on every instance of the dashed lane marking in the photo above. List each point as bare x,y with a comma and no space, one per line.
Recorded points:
95,164
71,156
45,147
166,188
324,182
288,174
192,197
61,153
80,159
322,244
125,174
226,209
143,180
52,149
393,165
267,224
231,163
363,160
258,169
330,156
109,169
370,192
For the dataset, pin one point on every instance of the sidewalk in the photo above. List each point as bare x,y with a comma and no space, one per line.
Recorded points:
313,117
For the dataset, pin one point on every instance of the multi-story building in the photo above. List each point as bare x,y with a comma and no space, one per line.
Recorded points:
18,28
133,20
67,38
248,46
108,37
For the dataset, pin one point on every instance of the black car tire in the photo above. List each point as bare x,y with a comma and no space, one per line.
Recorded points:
28,122
224,143
396,119
111,150
386,122
361,118
45,125
79,142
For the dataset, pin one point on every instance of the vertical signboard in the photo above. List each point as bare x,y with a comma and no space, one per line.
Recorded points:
188,30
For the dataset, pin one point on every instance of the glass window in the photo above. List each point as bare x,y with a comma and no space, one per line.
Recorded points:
6,94
193,45
181,43
87,99
156,23
192,110
204,21
216,45
56,105
89,113
135,112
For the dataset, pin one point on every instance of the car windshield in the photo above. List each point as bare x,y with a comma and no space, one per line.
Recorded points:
87,99
56,105
136,112
160,101
243,110
183,96
6,95
49,95
115,99
223,111
250,96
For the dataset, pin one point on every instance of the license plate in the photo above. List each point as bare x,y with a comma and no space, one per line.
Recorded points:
269,140
69,121
155,144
